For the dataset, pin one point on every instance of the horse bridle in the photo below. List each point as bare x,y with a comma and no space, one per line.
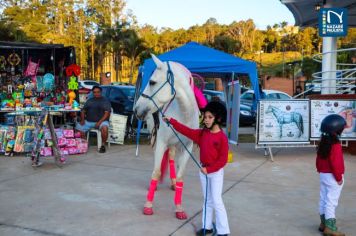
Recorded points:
170,81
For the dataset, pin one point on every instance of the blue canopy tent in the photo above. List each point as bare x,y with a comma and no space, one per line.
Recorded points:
203,60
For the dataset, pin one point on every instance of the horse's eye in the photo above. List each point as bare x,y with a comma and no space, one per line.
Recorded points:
152,83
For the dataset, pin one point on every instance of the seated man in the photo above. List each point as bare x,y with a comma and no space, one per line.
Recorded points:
96,114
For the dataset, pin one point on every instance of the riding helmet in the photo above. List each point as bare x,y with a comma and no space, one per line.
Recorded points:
333,124
218,110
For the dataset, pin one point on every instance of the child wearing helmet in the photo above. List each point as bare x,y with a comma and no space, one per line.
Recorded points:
330,165
214,148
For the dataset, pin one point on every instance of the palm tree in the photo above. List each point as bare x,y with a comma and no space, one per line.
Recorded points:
133,48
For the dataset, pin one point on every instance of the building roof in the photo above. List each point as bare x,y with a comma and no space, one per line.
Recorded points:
28,45
305,14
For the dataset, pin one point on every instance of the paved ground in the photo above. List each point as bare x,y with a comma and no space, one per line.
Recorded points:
103,194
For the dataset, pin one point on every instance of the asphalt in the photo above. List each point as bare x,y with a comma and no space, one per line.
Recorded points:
103,194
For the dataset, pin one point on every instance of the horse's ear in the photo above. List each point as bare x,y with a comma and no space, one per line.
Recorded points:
157,61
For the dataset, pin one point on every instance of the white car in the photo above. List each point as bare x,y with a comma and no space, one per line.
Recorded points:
88,84
248,96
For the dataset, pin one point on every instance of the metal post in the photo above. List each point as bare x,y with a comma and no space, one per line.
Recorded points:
328,82
293,80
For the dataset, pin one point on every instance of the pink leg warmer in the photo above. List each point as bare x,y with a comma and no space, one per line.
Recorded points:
151,190
172,169
178,193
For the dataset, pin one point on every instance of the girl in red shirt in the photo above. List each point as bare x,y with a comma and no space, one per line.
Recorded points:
214,148
330,165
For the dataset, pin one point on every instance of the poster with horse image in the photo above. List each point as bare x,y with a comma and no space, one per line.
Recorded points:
283,121
322,108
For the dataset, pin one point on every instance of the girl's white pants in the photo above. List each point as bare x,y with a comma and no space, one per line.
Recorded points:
330,192
214,201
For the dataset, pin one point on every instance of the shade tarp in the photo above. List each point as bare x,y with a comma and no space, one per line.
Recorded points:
204,60
201,59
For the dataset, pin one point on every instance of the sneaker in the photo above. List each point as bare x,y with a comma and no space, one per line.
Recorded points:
102,149
201,232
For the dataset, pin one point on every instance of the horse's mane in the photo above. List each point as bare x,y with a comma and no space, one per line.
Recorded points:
189,75
155,115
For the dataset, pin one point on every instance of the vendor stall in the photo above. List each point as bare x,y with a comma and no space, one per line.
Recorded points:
35,78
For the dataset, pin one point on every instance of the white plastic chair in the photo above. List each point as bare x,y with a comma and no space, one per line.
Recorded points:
98,137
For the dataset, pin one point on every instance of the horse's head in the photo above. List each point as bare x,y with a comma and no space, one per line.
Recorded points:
158,92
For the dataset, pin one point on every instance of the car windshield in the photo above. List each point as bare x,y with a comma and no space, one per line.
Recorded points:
283,96
214,95
248,96
129,92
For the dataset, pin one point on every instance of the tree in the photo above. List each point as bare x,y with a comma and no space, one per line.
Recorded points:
244,32
133,47
226,44
11,32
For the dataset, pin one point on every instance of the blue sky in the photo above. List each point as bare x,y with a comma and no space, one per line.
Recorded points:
183,13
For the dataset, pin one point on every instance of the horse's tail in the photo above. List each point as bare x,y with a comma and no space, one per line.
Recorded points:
164,164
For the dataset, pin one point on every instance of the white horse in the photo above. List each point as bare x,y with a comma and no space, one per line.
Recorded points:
169,89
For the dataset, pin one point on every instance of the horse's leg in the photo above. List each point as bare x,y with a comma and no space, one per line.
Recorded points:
158,155
180,213
172,169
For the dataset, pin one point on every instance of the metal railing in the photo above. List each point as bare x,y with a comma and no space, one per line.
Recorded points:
345,79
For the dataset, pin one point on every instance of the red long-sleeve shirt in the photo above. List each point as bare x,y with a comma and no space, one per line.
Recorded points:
214,147
333,164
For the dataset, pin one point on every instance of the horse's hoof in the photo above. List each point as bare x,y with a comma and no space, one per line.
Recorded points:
148,211
181,215
173,187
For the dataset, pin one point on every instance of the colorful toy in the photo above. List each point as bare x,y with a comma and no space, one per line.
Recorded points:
68,133
48,82
73,84
73,69
28,102
71,96
18,97
75,105
8,103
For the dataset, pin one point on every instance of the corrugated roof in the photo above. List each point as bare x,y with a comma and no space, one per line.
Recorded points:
305,14
27,45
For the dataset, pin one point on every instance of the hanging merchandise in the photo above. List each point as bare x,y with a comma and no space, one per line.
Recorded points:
32,69
10,141
13,60
39,83
73,69
73,84
3,130
48,82
24,139
2,63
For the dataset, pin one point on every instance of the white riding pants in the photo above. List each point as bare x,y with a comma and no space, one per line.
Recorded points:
214,202
330,192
